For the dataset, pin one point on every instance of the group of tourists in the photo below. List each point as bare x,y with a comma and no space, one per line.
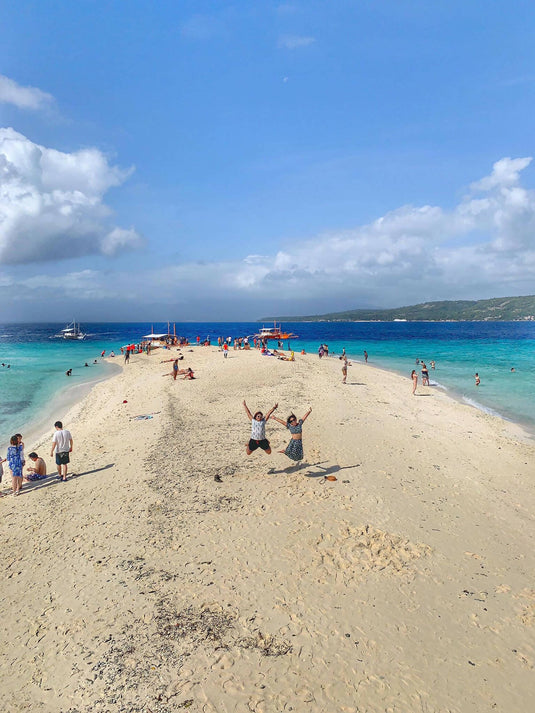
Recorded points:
62,445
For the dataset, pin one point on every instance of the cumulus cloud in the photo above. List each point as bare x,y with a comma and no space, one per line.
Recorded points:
23,97
483,247
505,172
51,203
293,42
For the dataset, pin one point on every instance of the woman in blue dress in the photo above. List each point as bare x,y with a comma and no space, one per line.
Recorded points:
15,462
294,449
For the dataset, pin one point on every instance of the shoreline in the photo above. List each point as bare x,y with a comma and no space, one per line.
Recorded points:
68,398
527,427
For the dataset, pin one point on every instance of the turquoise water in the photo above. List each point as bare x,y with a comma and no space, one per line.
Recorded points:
502,392
36,377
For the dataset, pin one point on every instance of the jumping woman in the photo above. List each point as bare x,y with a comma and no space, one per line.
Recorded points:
258,430
294,449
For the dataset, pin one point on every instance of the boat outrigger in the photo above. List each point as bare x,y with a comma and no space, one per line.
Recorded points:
71,331
275,332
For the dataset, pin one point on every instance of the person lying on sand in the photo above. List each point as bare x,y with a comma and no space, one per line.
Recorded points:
282,357
258,430
294,449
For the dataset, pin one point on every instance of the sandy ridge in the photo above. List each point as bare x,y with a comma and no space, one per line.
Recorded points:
143,585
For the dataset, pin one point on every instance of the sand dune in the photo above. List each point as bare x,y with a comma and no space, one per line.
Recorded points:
142,584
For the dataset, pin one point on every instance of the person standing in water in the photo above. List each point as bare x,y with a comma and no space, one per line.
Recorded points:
425,375
365,356
476,377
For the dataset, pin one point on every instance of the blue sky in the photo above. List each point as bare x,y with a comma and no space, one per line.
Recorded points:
219,160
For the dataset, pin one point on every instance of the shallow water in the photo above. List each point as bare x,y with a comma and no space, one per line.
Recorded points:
38,363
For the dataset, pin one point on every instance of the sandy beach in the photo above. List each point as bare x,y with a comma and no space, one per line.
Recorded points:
143,585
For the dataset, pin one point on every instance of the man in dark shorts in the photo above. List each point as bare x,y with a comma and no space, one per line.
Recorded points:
258,430
62,443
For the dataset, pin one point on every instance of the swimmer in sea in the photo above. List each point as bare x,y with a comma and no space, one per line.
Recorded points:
476,377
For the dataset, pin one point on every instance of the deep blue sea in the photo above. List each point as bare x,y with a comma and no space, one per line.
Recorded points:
36,376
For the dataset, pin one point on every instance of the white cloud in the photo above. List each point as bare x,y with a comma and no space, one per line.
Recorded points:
505,172
483,247
23,97
51,203
293,42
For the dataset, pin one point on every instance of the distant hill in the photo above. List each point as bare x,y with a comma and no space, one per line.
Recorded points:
506,309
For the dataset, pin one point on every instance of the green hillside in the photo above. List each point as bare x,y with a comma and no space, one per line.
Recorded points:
504,309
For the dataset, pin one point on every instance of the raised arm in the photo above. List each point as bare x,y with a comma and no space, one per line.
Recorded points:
279,420
270,412
307,414
249,414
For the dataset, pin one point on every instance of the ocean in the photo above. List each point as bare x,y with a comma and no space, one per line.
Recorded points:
34,389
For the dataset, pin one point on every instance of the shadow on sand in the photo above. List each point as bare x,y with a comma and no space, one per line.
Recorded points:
323,471
54,480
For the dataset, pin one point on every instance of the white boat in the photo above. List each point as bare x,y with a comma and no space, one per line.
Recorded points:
71,331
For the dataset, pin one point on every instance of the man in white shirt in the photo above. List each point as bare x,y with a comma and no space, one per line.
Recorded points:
62,442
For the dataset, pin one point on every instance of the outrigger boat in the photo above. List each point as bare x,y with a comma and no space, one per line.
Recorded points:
275,332
71,331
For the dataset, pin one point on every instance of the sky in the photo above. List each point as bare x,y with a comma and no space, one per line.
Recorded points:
212,160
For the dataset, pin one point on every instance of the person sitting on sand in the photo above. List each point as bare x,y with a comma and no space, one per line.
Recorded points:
414,377
188,373
294,449
258,430
38,470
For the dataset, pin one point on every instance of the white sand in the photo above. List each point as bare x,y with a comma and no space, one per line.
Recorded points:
143,585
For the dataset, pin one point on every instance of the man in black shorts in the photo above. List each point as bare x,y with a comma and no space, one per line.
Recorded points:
62,441
258,430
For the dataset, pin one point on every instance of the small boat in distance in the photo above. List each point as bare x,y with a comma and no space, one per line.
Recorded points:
275,332
71,331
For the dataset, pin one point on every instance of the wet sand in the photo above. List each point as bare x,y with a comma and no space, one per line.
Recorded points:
142,584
